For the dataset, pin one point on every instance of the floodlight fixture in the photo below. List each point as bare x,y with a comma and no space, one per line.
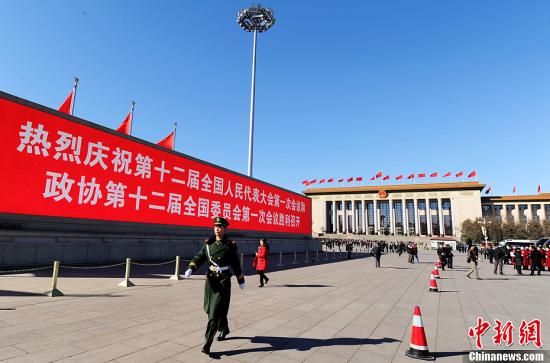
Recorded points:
254,19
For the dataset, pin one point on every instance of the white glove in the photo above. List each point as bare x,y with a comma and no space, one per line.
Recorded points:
242,286
188,273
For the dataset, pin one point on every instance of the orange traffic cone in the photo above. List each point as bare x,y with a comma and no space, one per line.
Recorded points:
419,346
435,272
438,264
433,284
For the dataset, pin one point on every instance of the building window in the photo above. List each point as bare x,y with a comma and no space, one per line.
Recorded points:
398,208
486,211
547,212
522,213
385,217
498,212
447,217
510,213
370,217
422,217
411,217
535,212
434,217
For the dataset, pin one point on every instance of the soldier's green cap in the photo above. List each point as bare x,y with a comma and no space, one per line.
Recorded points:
219,221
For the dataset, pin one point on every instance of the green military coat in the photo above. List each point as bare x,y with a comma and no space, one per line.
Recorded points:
217,289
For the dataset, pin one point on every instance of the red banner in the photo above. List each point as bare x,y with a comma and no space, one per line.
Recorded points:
53,166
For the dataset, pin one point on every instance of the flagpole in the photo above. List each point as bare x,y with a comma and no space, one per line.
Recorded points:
132,116
175,126
74,94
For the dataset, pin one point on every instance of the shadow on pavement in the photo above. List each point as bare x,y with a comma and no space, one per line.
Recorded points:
300,344
19,293
448,354
398,268
299,285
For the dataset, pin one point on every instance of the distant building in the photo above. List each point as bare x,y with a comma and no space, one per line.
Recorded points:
416,209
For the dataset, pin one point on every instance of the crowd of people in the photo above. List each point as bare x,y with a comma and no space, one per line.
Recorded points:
376,247
531,258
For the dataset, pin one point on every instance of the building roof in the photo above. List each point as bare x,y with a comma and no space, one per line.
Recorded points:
397,188
516,198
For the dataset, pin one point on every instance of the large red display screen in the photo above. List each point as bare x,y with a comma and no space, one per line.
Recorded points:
55,166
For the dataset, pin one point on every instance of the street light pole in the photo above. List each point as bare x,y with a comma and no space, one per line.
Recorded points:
254,19
253,87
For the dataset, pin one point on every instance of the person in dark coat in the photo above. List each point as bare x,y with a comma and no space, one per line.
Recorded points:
498,258
220,253
518,260
261,261
536,260
377,253
473,256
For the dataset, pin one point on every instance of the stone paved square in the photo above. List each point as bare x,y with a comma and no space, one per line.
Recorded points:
335,311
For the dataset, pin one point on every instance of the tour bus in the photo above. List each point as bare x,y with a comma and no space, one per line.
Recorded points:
544,242
517,243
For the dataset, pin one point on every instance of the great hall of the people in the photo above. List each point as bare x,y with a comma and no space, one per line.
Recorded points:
416,209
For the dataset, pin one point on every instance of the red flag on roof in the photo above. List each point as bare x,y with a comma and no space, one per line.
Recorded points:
126,125
488,190
373,178
168,141
538,189
330,180
472,174
304,181
411,176
350,180
341,180
421,175
313,181
387,177
322,181
459,174
399,177
67,106
447,174
379,174
360,178
514,190
433,175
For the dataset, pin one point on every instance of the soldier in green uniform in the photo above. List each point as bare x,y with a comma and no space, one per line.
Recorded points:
220,253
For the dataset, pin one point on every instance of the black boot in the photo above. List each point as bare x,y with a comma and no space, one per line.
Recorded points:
206,348
223,334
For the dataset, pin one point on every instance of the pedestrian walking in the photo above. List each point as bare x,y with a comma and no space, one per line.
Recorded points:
518,260
220,253
377,252
260,261
499,255
536,260
473,255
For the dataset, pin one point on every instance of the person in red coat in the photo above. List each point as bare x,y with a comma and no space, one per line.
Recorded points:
261,261
548,258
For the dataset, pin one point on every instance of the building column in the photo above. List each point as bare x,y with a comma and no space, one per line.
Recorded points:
428,217
416,217
376,218
453,220
390,216
441,224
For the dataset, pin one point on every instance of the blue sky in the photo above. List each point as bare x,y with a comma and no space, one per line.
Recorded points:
344,89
